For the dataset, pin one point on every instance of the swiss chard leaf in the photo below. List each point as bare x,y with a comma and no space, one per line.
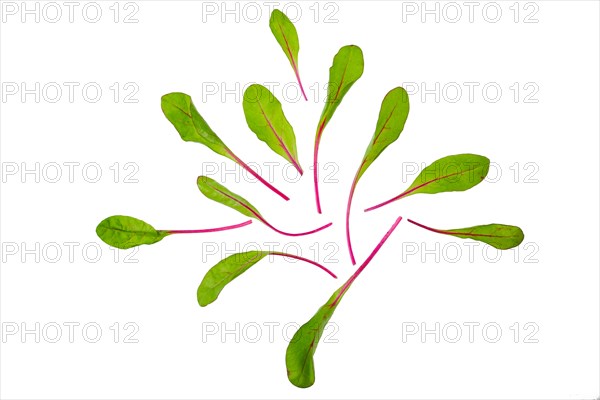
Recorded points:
285,33
299,356
347,68
392,117
219,193
266,119
233,266
455,173
502,237
181,112
301,349
224,272
125,232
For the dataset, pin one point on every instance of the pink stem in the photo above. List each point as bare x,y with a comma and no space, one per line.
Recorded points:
295,234
385,202
223,228
360,269
428,228
348,240
305,260
316,165
257,176
300,83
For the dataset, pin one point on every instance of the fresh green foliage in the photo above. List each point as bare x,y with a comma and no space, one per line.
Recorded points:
233,266
285,33
125,232
392,117
347,68
224,272
299,356
455,173
502,237
181,112
219,193
301,350
266,119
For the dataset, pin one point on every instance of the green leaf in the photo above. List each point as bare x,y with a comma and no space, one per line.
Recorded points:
181,112
224,272
455,173
266,119
299,356
502,237
347,68
392,117
301,349
124,232
219,193
285,33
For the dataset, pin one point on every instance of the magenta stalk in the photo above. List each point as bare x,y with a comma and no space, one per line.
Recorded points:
223,228
257,176
316,165
362,267
305,260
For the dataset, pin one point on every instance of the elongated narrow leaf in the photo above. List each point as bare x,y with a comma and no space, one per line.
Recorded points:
502,237
224,272
233,266
181,112
124,232
455,173
392,117
299,356
266,119
347,68
219,193
285,33
301,349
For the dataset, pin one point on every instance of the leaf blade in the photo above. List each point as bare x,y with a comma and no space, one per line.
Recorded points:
219,193
500,236
346,69
265,117
390,124
182,113
299,356
124,232
224,272
286,35
455,173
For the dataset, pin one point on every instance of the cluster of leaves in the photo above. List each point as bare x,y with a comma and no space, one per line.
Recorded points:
265,117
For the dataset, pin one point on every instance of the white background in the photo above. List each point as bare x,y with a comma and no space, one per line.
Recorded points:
178,47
